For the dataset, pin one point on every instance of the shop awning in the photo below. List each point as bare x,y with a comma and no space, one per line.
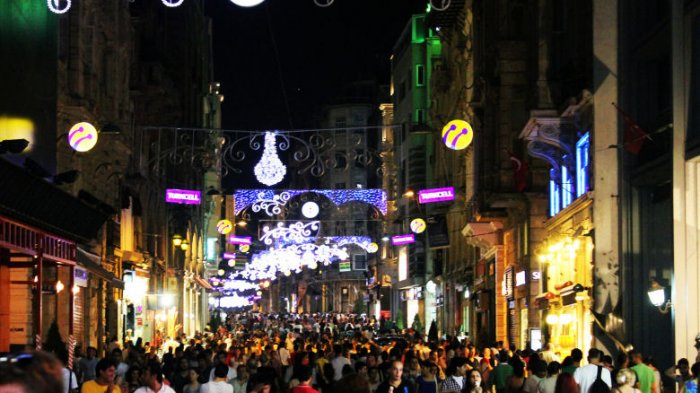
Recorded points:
38,203
91,262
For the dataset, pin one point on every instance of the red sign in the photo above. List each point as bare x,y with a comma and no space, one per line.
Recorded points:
139,321
386,314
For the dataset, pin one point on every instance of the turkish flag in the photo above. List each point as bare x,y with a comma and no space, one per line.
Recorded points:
520,171
634,136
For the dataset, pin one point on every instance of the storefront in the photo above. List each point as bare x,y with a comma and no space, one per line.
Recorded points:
566,260
40,226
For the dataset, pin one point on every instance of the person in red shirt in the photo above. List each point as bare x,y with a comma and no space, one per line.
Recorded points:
304,374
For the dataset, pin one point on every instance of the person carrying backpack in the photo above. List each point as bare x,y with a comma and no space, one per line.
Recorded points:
592,377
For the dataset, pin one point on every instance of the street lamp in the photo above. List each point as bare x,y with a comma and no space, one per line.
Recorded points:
177,240
657,296
184,245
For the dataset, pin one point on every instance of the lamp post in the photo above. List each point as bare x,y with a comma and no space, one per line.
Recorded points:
657,296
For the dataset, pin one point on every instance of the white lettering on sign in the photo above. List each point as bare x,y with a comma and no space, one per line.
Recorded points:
437,194
189,197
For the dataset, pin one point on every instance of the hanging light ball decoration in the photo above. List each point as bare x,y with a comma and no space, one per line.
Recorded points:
457,135
247,3
418,225
440,5
224,227
372,248
82,137
310,209
244,248
231,262
172,3
56,8
270,170
324,3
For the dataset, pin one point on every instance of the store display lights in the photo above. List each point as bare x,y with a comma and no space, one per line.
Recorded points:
270,170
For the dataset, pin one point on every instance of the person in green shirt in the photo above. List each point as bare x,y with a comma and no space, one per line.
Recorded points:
500,374
576,356
645,375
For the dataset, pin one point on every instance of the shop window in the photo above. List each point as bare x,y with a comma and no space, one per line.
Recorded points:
554,197
582,164
567,187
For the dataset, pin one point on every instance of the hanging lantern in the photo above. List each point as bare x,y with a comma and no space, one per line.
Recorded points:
418,225
457,135
82,137
224,227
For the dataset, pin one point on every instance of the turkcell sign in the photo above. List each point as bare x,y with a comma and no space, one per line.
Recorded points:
229,255
247,240
436,195
403,239
187,197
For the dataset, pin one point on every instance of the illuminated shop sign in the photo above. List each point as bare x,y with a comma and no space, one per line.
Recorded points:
247,240
187,197
436,195
403,239
520,278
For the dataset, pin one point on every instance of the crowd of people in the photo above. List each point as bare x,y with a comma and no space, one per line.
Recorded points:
332,353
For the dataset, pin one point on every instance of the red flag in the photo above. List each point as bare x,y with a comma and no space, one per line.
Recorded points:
634,136
520,170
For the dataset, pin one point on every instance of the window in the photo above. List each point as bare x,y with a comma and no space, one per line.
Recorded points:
420,75
359,262
554,196
567,187
340,186
582,164
341,122
420,116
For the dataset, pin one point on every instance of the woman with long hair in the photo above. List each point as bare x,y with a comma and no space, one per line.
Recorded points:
474,382
566,384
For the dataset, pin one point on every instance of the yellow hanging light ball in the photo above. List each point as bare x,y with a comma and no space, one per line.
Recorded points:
224,227
457,135
418,225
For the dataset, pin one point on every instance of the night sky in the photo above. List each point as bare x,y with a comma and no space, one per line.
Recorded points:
311,51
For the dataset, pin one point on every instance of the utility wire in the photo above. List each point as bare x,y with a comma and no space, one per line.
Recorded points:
279,66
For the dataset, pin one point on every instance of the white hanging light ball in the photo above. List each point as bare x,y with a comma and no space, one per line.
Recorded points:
246,3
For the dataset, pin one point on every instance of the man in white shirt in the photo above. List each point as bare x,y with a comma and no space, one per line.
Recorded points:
339,361
219,384
240,383
586,375
152,380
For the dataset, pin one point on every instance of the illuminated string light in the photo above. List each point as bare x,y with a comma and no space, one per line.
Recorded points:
373,197
299,232
232,301
270,170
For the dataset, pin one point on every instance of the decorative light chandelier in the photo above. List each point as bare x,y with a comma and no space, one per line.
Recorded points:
270,170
